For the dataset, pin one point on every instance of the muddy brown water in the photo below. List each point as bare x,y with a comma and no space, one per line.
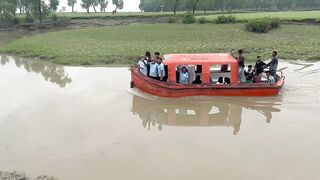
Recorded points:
85,123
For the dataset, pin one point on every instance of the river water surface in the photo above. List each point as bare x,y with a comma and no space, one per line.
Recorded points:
85,123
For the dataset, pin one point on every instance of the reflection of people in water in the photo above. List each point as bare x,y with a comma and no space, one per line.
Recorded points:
51,72
234,117
196,114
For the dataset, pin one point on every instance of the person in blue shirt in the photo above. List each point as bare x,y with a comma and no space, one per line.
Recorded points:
142,64
183,76
154,70
161,69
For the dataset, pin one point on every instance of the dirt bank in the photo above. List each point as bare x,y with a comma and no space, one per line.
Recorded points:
76,22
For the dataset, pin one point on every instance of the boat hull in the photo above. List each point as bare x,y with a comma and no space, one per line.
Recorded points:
163,89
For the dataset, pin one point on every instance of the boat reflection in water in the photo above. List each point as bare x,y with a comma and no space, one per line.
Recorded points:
201,113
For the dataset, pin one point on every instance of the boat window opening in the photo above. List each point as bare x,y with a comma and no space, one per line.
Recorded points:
165,110
193,71
219,71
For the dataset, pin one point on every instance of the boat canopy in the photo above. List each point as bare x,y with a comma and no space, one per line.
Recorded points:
206,61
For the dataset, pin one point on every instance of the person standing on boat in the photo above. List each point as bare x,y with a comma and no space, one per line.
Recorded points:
258,68
148,59
273,64
241,75
161,70
143,66
148,56
154,70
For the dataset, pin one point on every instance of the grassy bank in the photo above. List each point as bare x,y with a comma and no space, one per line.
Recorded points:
122,44
288,15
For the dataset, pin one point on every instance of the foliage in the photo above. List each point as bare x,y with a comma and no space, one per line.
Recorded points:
202,20
188,18
85,4
28,19
54,4
141,5
229,5
72,3
275,22
285,15
38,9
225,19
8,6
8,20
59,21
262,25
173,19
118,3
122,44
103,5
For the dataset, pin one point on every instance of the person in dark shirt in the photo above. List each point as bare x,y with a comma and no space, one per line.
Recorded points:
226,80
273,64
258,68
197,80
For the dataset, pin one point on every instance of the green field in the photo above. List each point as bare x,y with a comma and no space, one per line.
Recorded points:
123,44
290,15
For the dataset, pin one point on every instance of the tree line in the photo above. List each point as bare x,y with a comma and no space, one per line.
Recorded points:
225,5
34,7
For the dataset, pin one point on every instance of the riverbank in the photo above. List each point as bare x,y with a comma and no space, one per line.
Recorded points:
121,45
21,176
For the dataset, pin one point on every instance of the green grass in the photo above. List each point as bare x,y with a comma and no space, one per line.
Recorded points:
289,15
123,44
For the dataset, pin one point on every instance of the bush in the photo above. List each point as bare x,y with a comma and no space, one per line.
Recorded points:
188,18
28,19
225,19
172,20
59,21
275,22
262,25
8,20
203,20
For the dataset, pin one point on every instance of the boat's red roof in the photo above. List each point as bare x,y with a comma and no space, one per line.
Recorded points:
204,58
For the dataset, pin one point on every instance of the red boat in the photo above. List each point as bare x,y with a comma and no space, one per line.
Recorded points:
209,67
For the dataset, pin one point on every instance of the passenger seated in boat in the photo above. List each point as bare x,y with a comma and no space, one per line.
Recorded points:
161,70
249,71
226,80
256,79
197,80
183,75
143,66
220,80
259,67
249,74
154,70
